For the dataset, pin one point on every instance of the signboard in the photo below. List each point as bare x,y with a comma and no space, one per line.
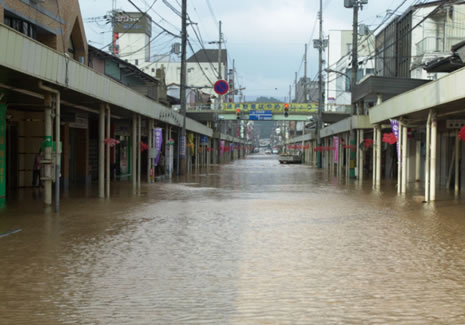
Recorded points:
158,141
221,87
395,129
182,147
2,150
260,115
81,121
132,23
204,140
273,107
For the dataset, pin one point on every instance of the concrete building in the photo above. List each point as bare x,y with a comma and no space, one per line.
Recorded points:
92,117
202,71
403,52
312,91
339,58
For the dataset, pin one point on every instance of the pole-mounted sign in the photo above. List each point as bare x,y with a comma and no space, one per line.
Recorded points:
221,87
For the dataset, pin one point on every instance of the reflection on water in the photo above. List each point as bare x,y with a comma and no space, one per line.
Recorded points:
252,242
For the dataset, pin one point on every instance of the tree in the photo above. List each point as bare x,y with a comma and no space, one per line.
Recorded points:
263,99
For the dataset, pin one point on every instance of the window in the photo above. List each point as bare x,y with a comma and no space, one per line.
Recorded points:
21,26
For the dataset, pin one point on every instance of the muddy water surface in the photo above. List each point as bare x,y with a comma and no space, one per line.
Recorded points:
252,242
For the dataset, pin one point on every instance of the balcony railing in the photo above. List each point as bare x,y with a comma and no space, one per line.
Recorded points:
436,44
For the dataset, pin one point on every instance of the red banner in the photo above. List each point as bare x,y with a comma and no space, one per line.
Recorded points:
462,134
389,138
368,143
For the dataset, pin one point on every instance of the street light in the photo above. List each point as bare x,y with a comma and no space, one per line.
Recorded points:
342,74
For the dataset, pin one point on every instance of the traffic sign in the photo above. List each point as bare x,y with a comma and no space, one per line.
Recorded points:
260,115
221,87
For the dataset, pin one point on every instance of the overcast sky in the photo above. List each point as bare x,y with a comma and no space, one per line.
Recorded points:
265,37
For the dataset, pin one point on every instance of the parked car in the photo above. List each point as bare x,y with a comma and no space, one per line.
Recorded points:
268,151
275,151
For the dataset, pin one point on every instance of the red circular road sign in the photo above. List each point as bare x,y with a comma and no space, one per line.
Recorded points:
221,87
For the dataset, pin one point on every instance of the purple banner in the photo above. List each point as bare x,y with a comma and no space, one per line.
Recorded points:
395,130
158,143
336,149
221,147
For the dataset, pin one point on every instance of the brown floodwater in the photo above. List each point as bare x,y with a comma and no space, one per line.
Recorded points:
252,242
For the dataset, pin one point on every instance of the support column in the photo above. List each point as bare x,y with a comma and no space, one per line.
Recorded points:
400,140
348,152
340,158
375,145
134,151
457,164
418,161
362,156
404,158
150,144
101,152
428,157
378,156
48,141
434,141
107,184
357,154
139,153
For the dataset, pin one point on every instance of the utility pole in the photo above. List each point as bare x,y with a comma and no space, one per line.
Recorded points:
320,87
305,76
295,85
182,143
356,4
220,40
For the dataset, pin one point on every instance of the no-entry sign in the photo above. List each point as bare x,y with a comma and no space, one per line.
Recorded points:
221,87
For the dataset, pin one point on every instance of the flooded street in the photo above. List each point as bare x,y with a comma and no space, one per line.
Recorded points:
252,242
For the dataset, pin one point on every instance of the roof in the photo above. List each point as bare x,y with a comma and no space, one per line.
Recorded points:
123,64
209,56
447,64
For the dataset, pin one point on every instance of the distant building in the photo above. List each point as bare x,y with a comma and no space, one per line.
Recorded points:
202,72
339,63
312,91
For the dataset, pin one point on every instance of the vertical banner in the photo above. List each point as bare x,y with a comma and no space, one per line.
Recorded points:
221,147
336,149
158,143
395,130
2,150
182,146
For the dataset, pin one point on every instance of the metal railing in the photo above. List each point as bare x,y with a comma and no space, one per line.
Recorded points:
436,44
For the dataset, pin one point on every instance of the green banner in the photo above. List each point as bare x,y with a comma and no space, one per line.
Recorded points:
2,150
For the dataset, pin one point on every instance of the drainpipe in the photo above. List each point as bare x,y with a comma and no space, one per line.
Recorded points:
434,140
58,147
